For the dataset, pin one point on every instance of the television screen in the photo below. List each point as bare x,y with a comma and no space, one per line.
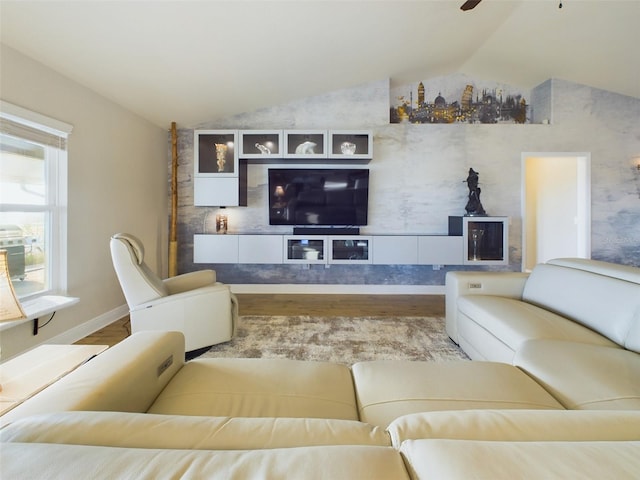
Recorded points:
318,196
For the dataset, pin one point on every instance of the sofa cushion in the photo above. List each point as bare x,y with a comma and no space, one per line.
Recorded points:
144,430
495,327
251,387
583,376
387,390
465,459
608,305
36,461
517,425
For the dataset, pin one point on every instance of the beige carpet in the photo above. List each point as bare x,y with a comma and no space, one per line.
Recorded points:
340,339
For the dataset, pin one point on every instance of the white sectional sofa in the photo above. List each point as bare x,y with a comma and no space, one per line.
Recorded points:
573,325
139,411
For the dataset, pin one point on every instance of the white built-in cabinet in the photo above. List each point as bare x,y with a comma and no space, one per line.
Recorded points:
218,153
485,239
350,145
261,144
216,168
260,249
329,249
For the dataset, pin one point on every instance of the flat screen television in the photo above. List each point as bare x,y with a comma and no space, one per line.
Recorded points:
318,196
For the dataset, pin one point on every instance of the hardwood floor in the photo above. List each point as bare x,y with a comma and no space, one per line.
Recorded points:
297,304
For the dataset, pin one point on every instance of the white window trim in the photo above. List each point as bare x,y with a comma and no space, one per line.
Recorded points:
33,119
58,231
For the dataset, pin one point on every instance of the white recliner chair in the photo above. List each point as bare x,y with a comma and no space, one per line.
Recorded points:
204,310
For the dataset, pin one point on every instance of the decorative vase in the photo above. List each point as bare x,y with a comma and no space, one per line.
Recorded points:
476,236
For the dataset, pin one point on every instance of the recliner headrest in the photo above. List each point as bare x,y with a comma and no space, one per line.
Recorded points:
137,248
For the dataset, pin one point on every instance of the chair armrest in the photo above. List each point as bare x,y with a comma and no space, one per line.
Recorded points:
189,281
183,296
205,315
457,284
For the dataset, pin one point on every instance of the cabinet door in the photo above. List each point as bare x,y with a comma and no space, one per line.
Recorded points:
344,249
440,250
486,240
395,250
216,192
261,249
353,145
305,144
261,144
215,153
215,248
305,249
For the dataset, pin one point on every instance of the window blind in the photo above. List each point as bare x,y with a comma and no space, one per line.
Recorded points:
19,122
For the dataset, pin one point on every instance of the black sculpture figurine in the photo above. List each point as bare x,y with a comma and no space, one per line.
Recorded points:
474,207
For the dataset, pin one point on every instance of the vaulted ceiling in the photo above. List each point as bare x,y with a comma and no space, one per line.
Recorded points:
195,61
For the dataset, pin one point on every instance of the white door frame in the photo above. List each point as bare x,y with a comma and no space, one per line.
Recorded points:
583,180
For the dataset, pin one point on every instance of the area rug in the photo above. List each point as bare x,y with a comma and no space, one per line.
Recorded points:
340,339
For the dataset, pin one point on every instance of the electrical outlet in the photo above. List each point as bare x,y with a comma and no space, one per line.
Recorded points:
475,285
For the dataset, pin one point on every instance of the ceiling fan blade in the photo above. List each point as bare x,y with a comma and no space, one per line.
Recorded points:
469,5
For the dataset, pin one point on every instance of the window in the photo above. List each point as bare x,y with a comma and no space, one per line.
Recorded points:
33,181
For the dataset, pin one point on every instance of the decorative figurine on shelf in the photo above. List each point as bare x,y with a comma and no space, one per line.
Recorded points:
306,148
348,148
474,207
221,154
263,150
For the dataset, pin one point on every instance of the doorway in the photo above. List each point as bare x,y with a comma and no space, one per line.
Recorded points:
556,206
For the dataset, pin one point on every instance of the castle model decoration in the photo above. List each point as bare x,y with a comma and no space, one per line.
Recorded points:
470,105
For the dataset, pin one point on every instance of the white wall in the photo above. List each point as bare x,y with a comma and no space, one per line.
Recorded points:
117,182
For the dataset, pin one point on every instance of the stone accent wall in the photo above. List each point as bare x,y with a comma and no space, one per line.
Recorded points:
418,173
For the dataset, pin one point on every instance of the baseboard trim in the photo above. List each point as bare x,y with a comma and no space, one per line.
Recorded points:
338,289
87,328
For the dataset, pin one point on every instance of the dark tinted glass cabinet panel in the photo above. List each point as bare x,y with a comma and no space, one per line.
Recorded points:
261,144
485,239
302,144
350,144
350,250
310,249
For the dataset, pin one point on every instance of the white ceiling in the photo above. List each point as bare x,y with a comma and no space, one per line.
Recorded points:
195,61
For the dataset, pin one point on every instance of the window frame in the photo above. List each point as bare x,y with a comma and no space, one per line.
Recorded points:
55,206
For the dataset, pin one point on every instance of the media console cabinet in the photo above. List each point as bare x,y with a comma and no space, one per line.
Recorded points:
463,246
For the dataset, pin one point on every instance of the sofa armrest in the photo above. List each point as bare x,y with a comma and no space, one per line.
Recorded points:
127,377
457,284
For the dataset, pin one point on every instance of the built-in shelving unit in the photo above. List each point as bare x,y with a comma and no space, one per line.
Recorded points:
221,155
329,249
